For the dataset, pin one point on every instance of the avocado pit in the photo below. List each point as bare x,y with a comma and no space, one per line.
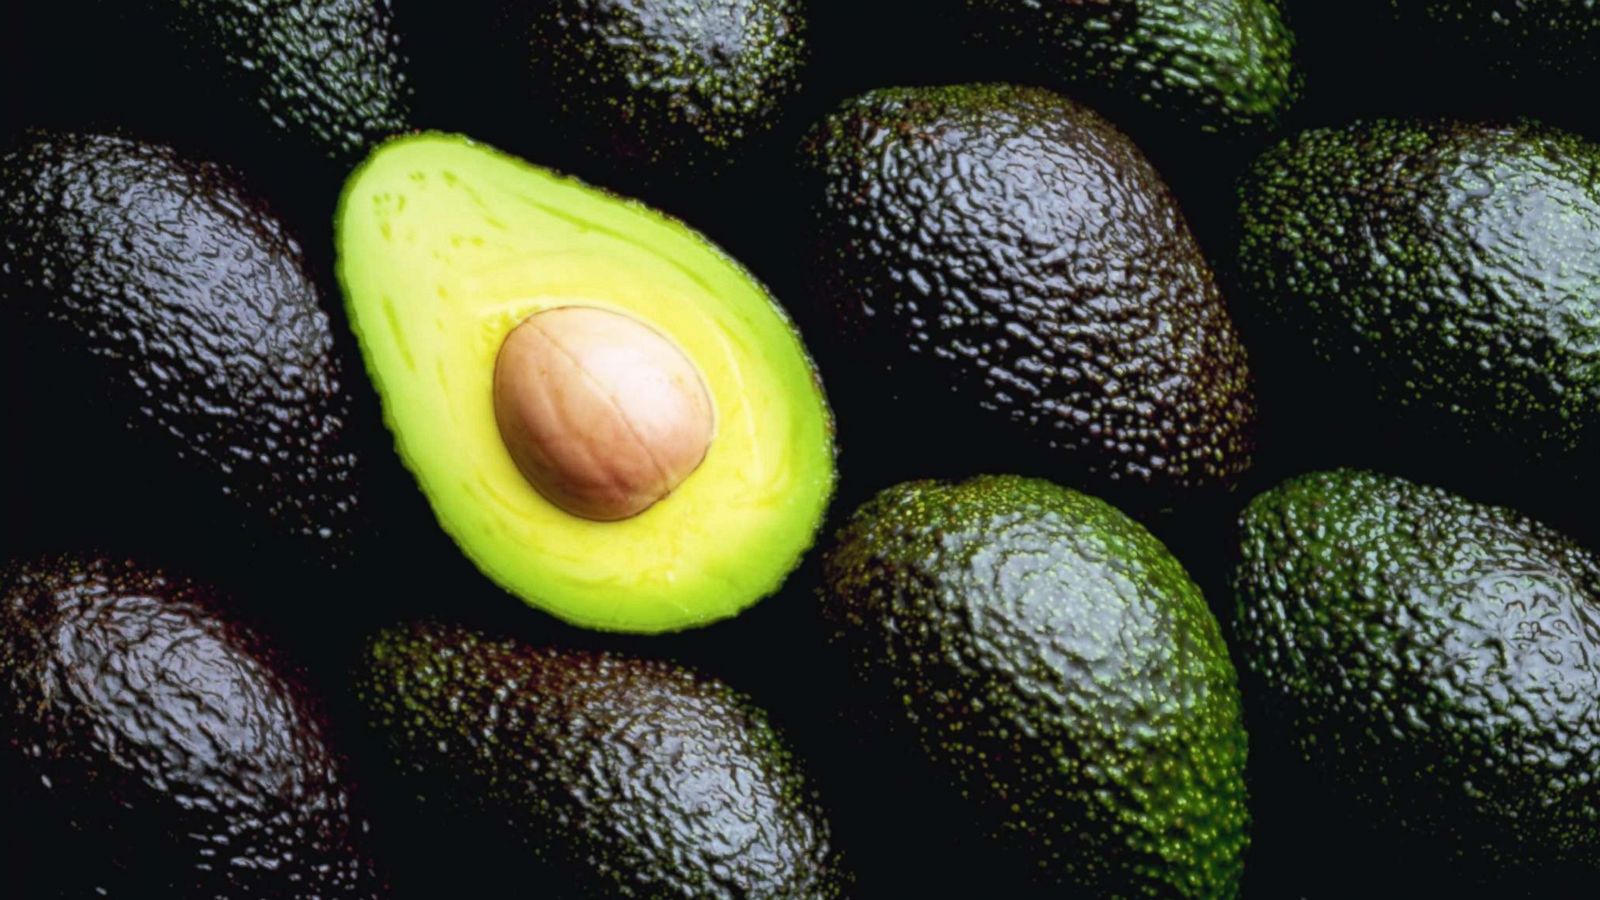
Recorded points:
603,415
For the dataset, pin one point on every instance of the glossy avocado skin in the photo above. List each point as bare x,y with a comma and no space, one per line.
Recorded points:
151,746
328,74
162,313
1004,253
631,777
678,87
1060,668
1528,37
1450,271
1433,659
1224,66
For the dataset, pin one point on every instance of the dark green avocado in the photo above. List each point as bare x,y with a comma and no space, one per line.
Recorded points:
1000,261
1213,65
328,74
631,777
1448,270
1434,660
1559,37
1061,670
679,87
170,332
153,746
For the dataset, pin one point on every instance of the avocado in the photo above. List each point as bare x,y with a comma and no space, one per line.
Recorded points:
999,260
1222,66
329,75
1432,659
1529,37
655,87
1060,669
1448,271
611,418
630,777
153,745
175,336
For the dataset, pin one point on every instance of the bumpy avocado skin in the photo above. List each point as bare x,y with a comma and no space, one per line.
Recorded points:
1526,37
675,86
633,777
160,746
1223,66
153,294
1449,270
1060,667
1433,658
330,74
1005,251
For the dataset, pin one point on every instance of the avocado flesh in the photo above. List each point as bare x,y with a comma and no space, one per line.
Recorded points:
1448,271
630,777
1432,659
1061,671
444,247
152,745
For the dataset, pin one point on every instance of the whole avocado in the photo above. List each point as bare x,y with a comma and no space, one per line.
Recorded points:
1434,659
994,255
634,777
177,332
327,74
1559,37
152,746
1449,270
659,86
1060,668
1214,65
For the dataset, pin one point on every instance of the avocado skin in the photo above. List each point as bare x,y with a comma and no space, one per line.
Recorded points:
152,295
1433,659
1056,663
161,745
1451,271
629,776
1224,66
1538,37
1004,255
329,74
678,87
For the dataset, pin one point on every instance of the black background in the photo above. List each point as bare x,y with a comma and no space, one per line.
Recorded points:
76,64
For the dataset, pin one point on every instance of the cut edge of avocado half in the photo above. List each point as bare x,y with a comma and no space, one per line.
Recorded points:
444,247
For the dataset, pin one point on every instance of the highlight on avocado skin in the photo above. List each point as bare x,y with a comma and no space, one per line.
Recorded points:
600,508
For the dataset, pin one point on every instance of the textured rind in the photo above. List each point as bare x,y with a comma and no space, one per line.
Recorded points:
194,309
1454,269
678,84
1438,659
1011,246
1216,65
1555,36
330,72
641,778
1056,661
171,745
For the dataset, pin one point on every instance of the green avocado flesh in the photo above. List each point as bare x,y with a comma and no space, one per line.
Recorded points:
444,247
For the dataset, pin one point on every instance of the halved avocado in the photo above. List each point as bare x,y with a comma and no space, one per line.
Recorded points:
445,248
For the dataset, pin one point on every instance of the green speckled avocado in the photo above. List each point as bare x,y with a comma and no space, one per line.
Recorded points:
1435,659
1450,270
634,778
676,86
1214,65
1060,667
